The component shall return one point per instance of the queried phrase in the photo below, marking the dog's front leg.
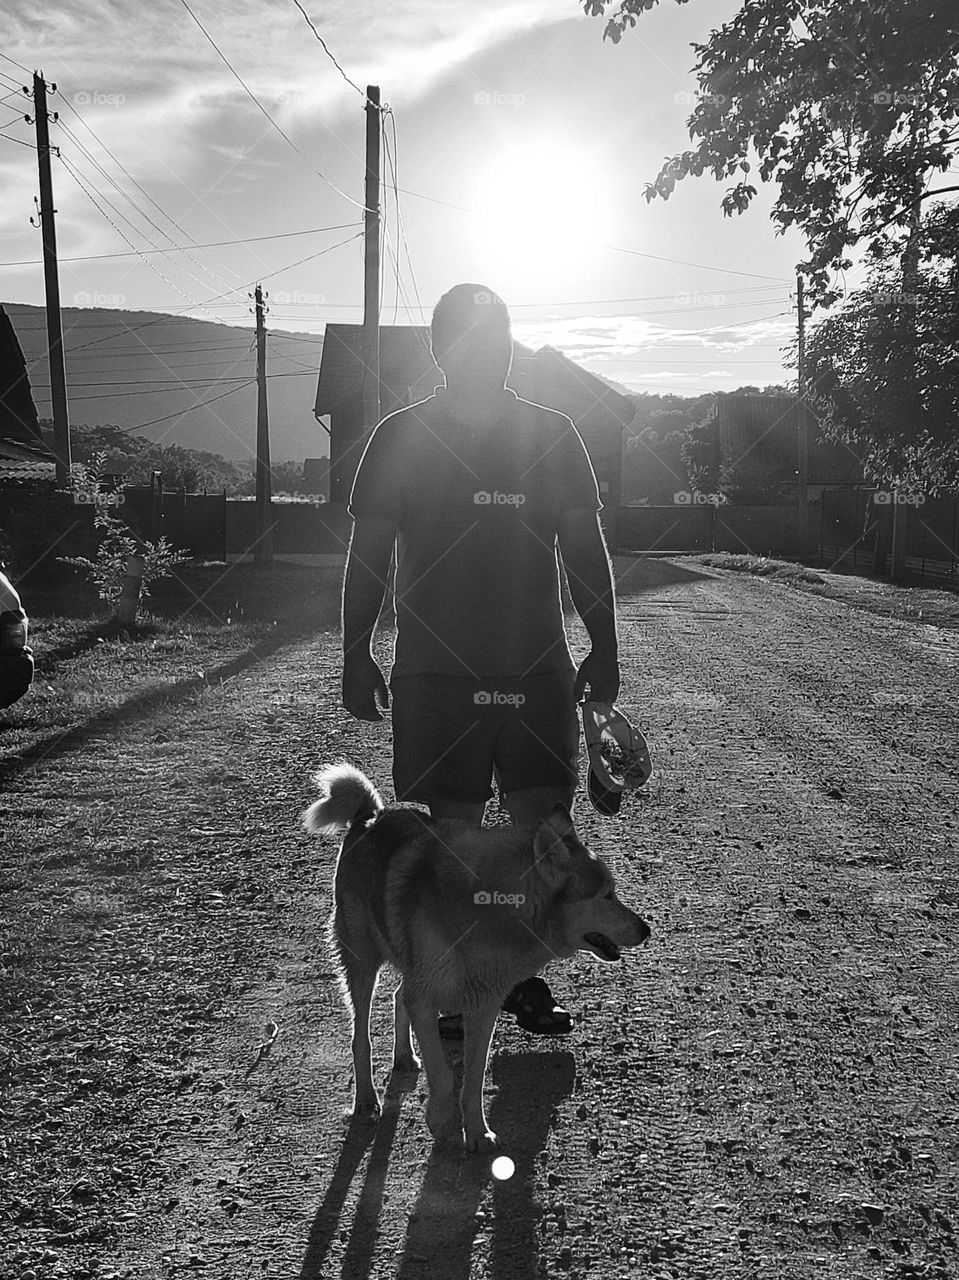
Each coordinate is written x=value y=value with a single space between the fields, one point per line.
x=478 y=1027
x=442 y=1113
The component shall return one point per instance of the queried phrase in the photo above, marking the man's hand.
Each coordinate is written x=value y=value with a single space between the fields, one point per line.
x=364 y=687
x=600 y=674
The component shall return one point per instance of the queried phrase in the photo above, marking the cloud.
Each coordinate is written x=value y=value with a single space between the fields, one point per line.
x=606 y=337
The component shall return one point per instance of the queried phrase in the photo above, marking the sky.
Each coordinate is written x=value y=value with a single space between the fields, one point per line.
x=517 y=149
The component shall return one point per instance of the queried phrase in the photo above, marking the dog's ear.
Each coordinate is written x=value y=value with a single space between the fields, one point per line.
x=561 y=820
x=552 y=855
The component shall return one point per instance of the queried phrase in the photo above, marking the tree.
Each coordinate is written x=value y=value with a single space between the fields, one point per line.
x=849 y=105
x=883 y=371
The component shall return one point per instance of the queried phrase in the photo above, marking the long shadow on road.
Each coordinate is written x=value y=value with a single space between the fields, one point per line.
x=442 y=1228
x=638 y=574
x=55 y=745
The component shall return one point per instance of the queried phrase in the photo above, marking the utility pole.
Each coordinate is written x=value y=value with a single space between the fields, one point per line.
x=263 y=547
x=802 y=421
x=371 y=270
x=58 y=379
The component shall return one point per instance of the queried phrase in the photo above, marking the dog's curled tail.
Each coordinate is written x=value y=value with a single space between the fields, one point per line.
x=346 y=796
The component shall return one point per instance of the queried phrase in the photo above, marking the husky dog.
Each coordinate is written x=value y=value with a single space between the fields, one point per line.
x=463 y=915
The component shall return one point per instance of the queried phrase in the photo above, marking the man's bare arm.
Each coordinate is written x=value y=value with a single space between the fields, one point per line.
x=590 y=579
x=364 y=586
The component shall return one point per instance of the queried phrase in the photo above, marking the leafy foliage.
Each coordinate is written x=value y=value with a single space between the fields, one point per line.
x=191 y=469
x=883 y=371
x=848 y=105
x=117 y=542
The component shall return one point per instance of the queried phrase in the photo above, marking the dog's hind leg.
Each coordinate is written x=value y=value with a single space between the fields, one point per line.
x=404 y=1059
x=442 y=1109
x=360 y=985
x=478 y=1027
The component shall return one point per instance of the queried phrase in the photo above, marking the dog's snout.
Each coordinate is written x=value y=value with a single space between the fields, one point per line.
x=642 y=928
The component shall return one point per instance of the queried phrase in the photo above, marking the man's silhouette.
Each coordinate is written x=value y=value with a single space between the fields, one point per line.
x=476 y=488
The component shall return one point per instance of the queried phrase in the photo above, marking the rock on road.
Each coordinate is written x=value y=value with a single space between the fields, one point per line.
x=769 y=1089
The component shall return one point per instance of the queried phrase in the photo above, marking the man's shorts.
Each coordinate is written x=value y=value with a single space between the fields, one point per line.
x=451 y=733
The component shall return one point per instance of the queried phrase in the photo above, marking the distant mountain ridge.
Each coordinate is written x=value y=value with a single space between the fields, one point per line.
x=118 y=362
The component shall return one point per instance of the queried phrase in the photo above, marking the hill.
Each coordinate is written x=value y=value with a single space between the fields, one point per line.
x=147 y=370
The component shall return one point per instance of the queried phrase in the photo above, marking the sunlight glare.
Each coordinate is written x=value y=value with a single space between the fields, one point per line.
x=541 y=205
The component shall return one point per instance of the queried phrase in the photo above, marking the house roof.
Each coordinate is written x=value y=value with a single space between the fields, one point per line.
x=550 y=378
x=18 y=414
x=766 y=429
x=407 y=370
x=409 y=373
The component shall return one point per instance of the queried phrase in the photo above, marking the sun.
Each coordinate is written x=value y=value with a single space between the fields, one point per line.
x=542 y=205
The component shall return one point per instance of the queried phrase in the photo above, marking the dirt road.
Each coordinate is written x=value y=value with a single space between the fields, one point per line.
x=768 y=1090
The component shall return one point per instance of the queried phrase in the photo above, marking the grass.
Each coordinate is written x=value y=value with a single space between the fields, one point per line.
x=195 y=629
x=762 y=566
x=934 y=606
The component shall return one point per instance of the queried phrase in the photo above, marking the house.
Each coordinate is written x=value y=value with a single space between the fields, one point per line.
x=316 y=478
x=24 y=458
x=758 y=436
x=408 y=373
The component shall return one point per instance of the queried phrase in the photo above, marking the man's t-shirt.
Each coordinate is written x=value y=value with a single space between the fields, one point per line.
x=477 y=581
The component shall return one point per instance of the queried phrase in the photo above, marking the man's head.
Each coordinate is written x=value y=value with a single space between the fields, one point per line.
x=471 y=338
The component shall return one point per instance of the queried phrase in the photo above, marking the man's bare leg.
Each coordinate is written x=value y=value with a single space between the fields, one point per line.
x=533 y=804
x=530 y=807
x=470 y=811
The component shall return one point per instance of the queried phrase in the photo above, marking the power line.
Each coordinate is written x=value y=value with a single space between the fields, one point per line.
x=326 y=50
x=171 y=387
x=96 y=204
x=260 y=107
x=131 y=178
x=182 y=412
x=213 y=244
x=218 y=279
x=15 y=63
x=125 y=331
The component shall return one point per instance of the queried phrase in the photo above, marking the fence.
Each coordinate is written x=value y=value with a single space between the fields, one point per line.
x=849 y=530
x=751 y=530
x=856 y=533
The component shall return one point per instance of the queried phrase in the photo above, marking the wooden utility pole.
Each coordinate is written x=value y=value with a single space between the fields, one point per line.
x=371 y=275
x=802 y=422
x=51 y=279
x=263 y=547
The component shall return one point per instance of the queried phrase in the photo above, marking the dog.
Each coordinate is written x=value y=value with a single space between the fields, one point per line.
x=462 y=914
